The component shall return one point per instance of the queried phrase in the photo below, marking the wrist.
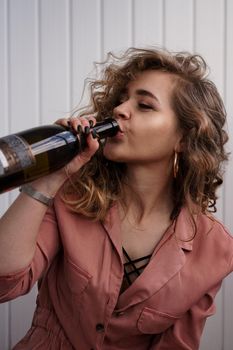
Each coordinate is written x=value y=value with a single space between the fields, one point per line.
x=49 y=184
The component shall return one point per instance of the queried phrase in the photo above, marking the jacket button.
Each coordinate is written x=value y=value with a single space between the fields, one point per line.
x=99 y=327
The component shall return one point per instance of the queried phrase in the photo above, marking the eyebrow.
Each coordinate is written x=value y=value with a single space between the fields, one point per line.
x=142 y=92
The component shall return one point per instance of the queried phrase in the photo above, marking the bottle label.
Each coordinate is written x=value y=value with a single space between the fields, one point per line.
x=15 y=155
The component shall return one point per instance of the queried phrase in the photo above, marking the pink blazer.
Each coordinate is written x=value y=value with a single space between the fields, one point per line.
x=79 y=267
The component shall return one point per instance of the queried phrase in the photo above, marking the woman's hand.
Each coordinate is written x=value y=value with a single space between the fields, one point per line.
x=50 y=184
x=80 y=125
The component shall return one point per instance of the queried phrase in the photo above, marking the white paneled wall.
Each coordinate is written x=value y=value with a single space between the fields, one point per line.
x=47 y=49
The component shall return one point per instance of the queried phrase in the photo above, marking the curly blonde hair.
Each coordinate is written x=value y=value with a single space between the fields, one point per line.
x=201 y=115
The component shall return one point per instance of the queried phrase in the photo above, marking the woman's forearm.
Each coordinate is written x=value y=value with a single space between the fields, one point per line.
x=19 y=226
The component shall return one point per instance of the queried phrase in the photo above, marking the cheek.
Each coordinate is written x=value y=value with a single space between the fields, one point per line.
x=165 y=128
x=160 y=137
x=155 y=132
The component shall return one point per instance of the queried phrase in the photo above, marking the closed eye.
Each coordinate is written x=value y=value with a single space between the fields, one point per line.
x=145 y=106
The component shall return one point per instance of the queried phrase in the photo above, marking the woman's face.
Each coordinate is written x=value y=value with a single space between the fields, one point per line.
x=149 y=126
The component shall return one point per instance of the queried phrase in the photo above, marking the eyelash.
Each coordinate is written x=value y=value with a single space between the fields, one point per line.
x=140 y=105
x=145 y=106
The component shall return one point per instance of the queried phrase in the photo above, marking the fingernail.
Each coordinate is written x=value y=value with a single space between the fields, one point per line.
x=79 y=129
x=94 y=134
x=87 y=130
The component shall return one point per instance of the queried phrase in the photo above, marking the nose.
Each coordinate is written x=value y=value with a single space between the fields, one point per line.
x=122 y=111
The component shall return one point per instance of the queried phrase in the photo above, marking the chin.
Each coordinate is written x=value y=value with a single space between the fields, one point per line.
x=114 y=157
x=118 y=154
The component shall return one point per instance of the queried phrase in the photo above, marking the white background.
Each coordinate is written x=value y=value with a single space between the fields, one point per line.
x=47 y=48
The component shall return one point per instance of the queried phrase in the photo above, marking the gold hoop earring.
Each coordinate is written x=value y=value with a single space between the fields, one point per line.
x=175 y=165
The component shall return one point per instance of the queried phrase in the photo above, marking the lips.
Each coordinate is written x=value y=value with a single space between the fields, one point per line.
x=118 y=136
x=120 y=133
x=120 y=127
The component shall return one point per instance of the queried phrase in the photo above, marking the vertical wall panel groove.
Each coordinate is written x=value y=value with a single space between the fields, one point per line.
x=228 y=283
x=117 y=25
x=194 y=26
x=5 y=127
x=8 y=64
x=148 y=25
x=86 y=44
x=68 y=20
x=38 y=61
x=179 y=25
x=101 y=28
x=132 y=5
x=163 y=23
x=224 y=93
x=102 y=41
x=224 y=286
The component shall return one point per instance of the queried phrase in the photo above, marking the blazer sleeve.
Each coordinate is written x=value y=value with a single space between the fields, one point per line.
x=185 y=334
x=48 y=243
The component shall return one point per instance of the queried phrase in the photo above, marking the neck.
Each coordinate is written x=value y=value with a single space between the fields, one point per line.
x=148 y=190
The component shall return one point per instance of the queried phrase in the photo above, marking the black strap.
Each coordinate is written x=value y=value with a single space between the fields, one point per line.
x=136 y=270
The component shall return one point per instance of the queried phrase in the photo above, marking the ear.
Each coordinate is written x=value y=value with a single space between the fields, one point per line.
x=180 y=145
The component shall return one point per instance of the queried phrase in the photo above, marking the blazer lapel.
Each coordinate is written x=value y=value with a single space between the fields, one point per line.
x=112 y=228
x=168 y=258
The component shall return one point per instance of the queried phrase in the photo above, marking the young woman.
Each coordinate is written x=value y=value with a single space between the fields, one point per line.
x=129 y=255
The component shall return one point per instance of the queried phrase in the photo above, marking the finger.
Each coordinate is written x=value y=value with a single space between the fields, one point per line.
x=84 y=156
x=63 y=122
x=79 y=124
x=92 y=120
x=92 y=147
x=83 y=124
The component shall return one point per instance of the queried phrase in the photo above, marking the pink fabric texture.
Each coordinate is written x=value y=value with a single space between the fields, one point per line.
x=79 y=268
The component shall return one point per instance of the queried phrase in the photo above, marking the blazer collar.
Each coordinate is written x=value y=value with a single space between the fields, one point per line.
x=112 y=227
x=185 y=229
x=168 y=258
